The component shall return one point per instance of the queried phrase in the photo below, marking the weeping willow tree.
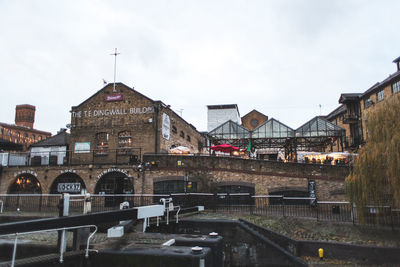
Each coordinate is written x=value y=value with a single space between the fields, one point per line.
x=375 y=178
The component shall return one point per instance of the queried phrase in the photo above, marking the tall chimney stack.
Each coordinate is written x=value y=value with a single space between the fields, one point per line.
x=25 y=115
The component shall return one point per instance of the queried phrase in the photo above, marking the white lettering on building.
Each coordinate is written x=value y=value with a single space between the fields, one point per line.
x=112 y=112
x=113 y=170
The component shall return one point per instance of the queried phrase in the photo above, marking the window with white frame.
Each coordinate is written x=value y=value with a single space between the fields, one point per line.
x=380 y=95
x=396 y=87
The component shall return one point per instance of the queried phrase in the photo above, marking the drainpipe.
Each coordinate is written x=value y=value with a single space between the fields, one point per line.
x=156 y=130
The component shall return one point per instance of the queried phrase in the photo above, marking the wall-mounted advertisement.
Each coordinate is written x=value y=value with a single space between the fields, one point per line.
x=166 y=125
x=82 y=147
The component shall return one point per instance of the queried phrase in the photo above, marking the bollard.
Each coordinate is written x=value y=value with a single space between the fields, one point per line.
x=321 y=253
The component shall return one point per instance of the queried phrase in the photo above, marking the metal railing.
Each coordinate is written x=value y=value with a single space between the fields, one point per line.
x=232 y=203
x=69 y=157
x=62 y=249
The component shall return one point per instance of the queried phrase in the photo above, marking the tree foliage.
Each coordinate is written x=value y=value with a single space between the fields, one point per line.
x=375 y=178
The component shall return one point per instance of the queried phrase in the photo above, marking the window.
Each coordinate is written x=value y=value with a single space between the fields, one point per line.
x=124 y=142
x=367 y=103
x=1 y=130
x=174 y=130
x=254 y=122
x=396 y=87
x=182 y=134
x=188 y=138
x=102 y=143
x=380 y=95
x=33 y=138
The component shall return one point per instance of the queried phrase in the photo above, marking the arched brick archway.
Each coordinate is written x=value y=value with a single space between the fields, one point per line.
x=68 y=182
x=25 y=183
x=292 y=192
x=114 y=183
x=174 y=184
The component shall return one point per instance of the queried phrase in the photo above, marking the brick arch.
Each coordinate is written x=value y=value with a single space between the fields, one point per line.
x=238 y=183
x=172 y=178
x=24 y=183
x=74 y=177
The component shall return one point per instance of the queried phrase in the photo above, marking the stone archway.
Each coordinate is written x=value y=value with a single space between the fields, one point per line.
x=114 y=183
x=25 y=183
x=240 y=193
x=174 y=184
x=292 y=192
x=68 y=182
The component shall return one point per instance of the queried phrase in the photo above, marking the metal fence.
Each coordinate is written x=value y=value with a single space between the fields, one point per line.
x=231 y=203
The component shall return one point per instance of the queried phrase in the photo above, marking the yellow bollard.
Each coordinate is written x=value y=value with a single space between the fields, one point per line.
x=321 y=253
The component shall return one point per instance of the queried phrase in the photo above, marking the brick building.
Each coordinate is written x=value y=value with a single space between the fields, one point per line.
x=121 y=124
x=355 y=108
x=22 y=132
x=253 y=119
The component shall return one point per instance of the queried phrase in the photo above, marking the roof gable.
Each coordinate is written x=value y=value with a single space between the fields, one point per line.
x=109 y=87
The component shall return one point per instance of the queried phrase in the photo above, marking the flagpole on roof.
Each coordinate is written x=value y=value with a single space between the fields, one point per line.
x=115 y=54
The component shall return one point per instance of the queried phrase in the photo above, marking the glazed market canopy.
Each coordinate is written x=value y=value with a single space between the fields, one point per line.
x=273 y=133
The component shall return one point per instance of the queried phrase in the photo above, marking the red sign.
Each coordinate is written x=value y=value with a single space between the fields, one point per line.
x=114 y=98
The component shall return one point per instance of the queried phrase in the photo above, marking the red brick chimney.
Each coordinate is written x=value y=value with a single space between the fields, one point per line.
x=25 y=115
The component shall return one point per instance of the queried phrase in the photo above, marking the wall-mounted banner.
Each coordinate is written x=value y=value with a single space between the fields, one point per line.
x=166 y=125
x=110 y=98
x=82 y=147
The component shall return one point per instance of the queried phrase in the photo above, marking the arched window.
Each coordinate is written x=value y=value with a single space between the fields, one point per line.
x=124 y=142
x=182 y=134
x=188 y=138
x=33 y=138
x=102 y=143
x=174 y=130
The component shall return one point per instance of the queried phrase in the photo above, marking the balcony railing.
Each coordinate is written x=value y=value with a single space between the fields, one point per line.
x=58 y=158
x=350 y=118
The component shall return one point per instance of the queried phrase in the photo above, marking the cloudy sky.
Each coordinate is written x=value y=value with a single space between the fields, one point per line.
x=283 y=58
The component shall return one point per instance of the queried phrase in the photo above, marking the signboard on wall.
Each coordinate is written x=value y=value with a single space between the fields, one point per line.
x=82 y=147
x=110 y=98
x=69 y=187
x=166 y=125
x=311 y=192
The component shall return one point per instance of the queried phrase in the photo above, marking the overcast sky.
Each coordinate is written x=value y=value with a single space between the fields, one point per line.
x=283 y=58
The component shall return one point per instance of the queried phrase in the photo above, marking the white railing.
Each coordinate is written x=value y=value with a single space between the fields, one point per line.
x=62 y=248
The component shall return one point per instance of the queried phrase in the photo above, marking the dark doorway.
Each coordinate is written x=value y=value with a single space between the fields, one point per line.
x=116 y=184
x=68 y=183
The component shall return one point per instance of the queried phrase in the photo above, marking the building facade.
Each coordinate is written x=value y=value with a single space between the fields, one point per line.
x=121 y=124
x=219 y=114
x=355 y=108
x=22 y=132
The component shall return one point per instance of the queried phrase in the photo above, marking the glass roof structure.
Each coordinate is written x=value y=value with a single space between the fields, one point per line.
x=316 y=133
x=319 y=127
x=272 y=129
x=229 y=132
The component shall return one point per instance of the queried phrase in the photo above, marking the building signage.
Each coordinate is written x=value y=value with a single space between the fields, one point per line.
x=82 y=147
x=311 y=192
x=110 y=98
x=69 y=187
x=113 y=170
x=25 y=172
x=112 y=112
x=166 y=124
